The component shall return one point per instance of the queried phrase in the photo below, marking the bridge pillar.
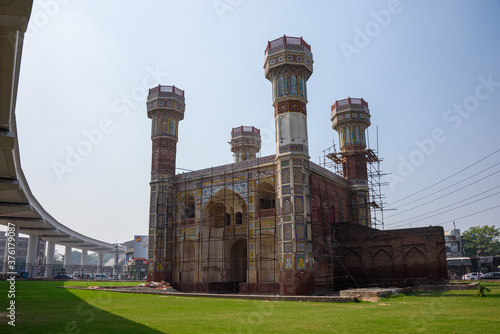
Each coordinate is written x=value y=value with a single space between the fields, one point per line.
x=49 y=260
x=67 y=259
x=31 y=254
x=14 y=233
x=99 y=262
x=84 y=261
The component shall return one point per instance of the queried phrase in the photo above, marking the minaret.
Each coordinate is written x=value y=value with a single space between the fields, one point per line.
x=288 y=65
x=350 y=118
x=245 y=142
x=166 y=109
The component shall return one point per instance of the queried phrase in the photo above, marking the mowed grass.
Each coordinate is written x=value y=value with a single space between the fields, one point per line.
x=41 y=307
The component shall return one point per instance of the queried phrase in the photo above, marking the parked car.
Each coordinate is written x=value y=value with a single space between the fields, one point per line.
x=492 y=275
x=63 y=276
x=101 y=277
x=471 y=276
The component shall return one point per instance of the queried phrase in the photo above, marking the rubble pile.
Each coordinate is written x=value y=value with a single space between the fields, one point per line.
x=162 y=285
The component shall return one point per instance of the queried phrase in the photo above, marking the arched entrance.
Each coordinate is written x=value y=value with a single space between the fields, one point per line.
x=238 y=260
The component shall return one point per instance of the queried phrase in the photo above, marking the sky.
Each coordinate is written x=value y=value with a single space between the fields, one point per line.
x=429 y=71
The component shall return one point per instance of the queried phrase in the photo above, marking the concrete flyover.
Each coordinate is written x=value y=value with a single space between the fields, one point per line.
x=19 y=209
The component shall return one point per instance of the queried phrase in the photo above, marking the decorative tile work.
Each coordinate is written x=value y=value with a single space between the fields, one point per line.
x=288 y=247
x=298 y=189
x=300 y=229
x=285 y=163
x=293 y=148
x=299 y=219
x=299 y=204
x=161 y=221
x=287 y=232
x=285 y=106
x=288 y=262
x=287 y=205
x=285 y=175
x=309 y=247
x=287 y=218
x=280 y=229
x=160 y=267
x=266 y=224
x=301 y=247
x=301 y=262
x=285 y=190
x=298 y=176
x=309 y=232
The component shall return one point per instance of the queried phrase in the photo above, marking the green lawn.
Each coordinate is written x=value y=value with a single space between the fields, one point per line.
x=43 y=308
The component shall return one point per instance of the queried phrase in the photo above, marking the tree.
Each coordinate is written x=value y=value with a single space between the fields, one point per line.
x=481 y=241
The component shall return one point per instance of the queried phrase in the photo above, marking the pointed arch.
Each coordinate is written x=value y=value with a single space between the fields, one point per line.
x=415 y=263
x=384 y=266
x=221 y=207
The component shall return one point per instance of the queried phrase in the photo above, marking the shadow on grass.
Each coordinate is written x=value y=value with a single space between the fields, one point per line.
x=41 y=307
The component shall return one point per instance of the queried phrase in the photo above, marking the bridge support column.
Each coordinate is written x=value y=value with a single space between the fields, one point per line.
x=84 y=261
x=49 y=260
x=99 y=262
x=31 y=254
x=67 y=259
x=14 y=233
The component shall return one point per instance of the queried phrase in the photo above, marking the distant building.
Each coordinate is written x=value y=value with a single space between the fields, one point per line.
x=136 y=257
x=453 y=242
x=22 y=250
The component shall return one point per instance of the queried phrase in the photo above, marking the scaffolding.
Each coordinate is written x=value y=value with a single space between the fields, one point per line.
x=333 y=160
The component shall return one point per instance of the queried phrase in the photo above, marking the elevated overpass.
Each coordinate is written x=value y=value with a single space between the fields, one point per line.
x=19 y=209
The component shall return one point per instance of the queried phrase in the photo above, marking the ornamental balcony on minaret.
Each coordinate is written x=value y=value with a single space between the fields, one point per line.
x=245 y=143
x=350 y=118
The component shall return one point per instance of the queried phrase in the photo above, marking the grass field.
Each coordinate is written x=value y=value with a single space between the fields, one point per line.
x=43 y=308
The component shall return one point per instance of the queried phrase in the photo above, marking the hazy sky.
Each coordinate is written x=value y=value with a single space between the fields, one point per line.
x=428 y=69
